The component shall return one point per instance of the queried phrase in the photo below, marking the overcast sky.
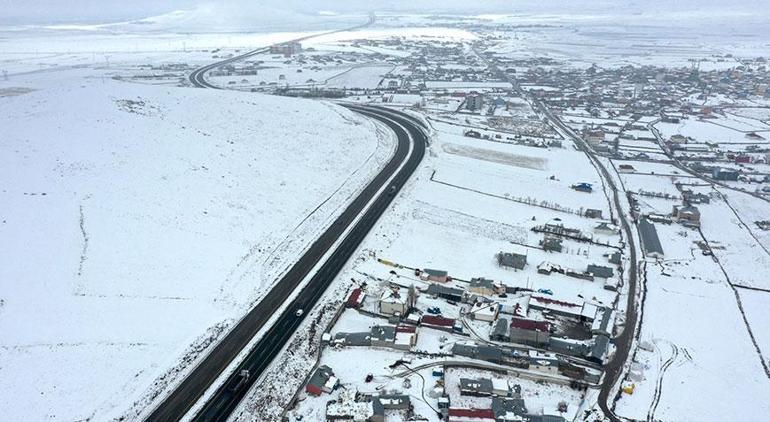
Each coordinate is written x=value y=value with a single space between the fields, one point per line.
x=90 y=11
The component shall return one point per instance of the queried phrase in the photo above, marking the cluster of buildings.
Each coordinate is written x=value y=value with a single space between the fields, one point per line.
x=504 y=398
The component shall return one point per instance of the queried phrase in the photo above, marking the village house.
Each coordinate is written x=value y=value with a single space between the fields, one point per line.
x=501 y=330
x=402 y=337
x=603 y=323
x=395 y=301
x=687 y=215
x=724 y=174
x=438 y=276
x=546 y=268
x=440 y=323
x=592 y=213
x=390 y=402
x=484 y=311
x=510 y=409
x=529 y=332
x=551 y=244
x=585 y=311
x=458 y=414
x=599 y=349
x=322 y=381
x=383 y=335
x=599 y=271
x=485 y=287
x=512 y=260
x=481 y=387
x=594 y=136
x=444 y=292
x=406 y=337
x=347 y=408
x=502 y=388
x=356 y=299
x=689 y=197
x=353 y=406
x=481 y=352
x=543 y=361
x=605 y=229
x=568 y=346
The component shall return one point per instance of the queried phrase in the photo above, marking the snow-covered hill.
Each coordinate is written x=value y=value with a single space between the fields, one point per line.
x=138 y=221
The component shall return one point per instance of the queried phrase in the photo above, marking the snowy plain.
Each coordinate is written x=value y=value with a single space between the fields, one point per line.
x=142 y=221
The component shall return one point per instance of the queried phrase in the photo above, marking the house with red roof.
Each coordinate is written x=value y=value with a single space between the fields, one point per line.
x=530 y=332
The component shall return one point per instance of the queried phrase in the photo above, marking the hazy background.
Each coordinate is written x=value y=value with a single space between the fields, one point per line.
x=98 y=11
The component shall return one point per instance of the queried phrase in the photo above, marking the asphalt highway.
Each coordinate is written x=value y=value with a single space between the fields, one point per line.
x=379 y=192
x=198 y=76
x=259 y=358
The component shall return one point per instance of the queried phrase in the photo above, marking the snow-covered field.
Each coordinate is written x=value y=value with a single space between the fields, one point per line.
x=694 y=361
x=714 y=370
x=140 y=221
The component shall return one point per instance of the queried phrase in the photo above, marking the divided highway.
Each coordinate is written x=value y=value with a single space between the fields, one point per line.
x=198 y=76
x=340 y=240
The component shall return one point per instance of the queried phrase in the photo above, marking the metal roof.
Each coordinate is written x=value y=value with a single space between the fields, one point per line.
x=650 y=239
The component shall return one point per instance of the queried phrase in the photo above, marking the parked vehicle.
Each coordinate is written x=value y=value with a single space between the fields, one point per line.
x=545 y=291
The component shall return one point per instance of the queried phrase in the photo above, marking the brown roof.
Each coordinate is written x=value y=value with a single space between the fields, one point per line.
x=530 y=324
x=437 y=321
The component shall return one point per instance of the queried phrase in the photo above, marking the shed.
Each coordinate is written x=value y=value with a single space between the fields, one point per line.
x=355 y=299
x=438 y=322
x=439 y=276
x=592 y=213
x=600 y=271
x=650 y=240
x=444 y=292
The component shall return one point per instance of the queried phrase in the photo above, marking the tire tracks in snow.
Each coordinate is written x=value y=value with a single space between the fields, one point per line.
x=659 y=384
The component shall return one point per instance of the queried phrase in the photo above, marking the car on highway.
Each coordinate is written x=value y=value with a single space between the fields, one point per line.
x=243 y=376
x=299 y=312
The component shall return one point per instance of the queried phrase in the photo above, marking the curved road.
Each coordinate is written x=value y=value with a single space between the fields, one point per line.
x=371 y=203
x=198 y=76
